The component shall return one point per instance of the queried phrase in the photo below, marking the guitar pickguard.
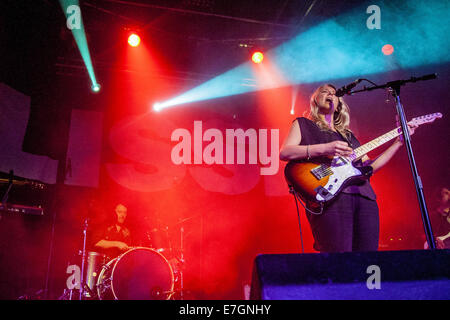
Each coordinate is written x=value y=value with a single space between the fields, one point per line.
x=341 y=170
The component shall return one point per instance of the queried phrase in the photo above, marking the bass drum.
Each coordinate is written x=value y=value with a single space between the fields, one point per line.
x=138 y=274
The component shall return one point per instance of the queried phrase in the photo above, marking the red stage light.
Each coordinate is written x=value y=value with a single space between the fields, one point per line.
x=387 y=49
x=134 y=40
x=257 y=57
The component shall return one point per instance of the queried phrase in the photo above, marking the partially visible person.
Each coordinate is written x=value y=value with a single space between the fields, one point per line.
x=440 y=220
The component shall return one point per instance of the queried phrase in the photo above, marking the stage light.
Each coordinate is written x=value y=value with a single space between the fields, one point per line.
x=387 y=49
x=257 y=57
x=157 y=106
x=352 y=51
x=79 y=35
x=134 y=40
x=95 y=87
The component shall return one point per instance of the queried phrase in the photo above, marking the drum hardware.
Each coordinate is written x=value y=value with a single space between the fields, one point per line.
x=87 y=292
x=95 y=261
x=83 y=260
x=179 y=273
x=103 y=286
x=159 y=239
x=107 y=266
x=181 y=263
x=67 y=294
x=87 y=276
x=157 y=293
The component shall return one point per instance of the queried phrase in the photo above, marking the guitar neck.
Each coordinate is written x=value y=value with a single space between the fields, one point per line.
x=375 y=143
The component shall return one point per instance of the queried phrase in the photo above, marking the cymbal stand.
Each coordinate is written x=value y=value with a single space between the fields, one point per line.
x=181 y=262
x=83 y=259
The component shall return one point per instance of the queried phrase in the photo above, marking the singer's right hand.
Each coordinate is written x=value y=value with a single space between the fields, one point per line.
x=439 y=244
x=336 y=148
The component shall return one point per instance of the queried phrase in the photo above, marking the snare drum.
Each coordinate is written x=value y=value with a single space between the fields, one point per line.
x=138 y=274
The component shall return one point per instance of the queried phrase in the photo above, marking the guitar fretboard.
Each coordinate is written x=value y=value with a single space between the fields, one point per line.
x=375 y=143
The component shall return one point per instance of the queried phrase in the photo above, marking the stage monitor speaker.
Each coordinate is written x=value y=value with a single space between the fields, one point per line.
x=380 y=275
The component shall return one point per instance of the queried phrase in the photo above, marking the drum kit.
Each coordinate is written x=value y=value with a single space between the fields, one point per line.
x=141 y=273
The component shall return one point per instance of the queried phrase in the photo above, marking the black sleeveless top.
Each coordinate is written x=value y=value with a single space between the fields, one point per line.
x=312 y=134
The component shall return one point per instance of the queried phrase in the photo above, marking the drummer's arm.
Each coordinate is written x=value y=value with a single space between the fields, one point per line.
x=107 y=244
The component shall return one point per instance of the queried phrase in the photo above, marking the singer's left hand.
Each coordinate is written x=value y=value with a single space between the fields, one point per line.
x=411 y=129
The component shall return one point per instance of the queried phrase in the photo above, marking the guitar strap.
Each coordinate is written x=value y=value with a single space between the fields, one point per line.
x=368 y=173
x=346 y=139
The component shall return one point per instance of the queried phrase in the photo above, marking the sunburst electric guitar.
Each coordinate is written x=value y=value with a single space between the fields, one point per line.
x=320 y=180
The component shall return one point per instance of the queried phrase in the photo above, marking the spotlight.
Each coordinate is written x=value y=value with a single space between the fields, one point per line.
x=387 y=49
x=134 y=40
x=257 y=57
x=157 y=106
x=95 y=87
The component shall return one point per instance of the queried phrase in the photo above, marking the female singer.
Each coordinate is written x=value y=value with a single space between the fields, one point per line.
x=350 y=222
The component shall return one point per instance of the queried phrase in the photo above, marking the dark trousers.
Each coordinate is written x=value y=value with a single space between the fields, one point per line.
x=349 y=223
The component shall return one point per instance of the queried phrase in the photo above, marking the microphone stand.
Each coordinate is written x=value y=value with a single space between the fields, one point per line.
x=394 y=86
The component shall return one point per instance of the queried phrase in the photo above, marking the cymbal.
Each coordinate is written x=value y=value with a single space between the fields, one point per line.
x=183 y=220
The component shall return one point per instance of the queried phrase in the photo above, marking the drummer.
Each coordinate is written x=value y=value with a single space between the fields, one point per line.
x=114 y=239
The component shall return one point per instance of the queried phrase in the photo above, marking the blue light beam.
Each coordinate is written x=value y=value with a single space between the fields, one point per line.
x=79 y=35
x=343 y=47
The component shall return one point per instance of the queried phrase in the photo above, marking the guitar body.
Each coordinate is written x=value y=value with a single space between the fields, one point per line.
x=320 y=181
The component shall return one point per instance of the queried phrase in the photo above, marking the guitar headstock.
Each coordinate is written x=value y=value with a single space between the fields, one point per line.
x=426 y=118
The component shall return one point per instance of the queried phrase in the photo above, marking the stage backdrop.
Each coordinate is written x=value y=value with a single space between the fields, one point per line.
x=206 y=174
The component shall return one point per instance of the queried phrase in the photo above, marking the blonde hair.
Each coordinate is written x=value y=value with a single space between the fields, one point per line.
x=341 y=114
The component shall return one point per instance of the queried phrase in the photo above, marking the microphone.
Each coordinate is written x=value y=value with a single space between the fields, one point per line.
x=346 y=89
x=426 y=77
